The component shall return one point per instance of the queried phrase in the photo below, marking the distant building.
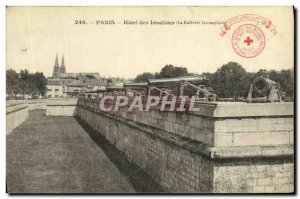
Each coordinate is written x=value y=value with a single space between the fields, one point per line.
x=56 y=91
x=63 y=84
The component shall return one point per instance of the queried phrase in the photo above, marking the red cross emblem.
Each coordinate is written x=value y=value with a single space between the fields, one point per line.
x=248 y=41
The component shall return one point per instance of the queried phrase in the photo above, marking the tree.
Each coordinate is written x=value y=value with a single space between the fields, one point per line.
x=231 y=77
x=274 y=75
x=167 y=71
x=39 y=82
x=25 y=82
x=286 y=80
x=172 y=71
x=261 y=73
x=144 y=77
x=12 y=79
x=24 y=74
x=211 y=78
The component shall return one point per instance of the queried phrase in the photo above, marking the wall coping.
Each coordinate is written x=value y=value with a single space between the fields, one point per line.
x=243 y=109
x=68 y=102
x=15 y=108
x=237 y=152
x=237 y=109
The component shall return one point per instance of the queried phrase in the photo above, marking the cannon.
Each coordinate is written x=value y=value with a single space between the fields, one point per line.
x=134 y=85
x=166 y=82
x=200 y=90
x=176 y=86
x=162 y=91
x=265 y=90
x=136 y=88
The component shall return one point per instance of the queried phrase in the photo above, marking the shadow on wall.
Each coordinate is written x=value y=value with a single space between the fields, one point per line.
x=36 y=114
x=75 y=113
x=141 y=181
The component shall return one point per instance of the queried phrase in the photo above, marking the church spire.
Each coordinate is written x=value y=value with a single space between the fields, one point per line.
x=56 y=62
x=62 y=67
x=56 y=70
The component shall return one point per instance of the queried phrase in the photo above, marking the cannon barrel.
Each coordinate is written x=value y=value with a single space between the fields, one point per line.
x=262 y=86
x=99 y=90
x=133 y=85
x=115 y=88
x=168 y=81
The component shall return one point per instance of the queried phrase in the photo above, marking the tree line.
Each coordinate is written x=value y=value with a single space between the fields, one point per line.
x=229 y=78
x=25 y=82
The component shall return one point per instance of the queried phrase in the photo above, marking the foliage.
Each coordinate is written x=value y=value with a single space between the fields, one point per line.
x=144 y=77
x=25 y=82
x=286 y=80
x=170 y=71
x=233 y=78
x=229 y=78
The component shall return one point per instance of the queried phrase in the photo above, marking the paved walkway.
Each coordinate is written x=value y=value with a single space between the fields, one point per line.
x=48 y=154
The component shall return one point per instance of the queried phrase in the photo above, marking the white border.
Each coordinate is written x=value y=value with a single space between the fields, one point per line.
x=5 y=3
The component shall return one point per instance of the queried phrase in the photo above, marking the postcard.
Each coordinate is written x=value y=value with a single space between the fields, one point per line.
x=150 y=100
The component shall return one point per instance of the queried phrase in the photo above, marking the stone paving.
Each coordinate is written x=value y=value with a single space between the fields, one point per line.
x=59 y=154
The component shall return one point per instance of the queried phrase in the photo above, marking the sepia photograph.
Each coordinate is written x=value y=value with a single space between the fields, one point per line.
x=150 y=100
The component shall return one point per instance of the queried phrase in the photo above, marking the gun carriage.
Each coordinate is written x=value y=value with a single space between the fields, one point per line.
x=183 y=86
x=265 y=90
x=136 y=89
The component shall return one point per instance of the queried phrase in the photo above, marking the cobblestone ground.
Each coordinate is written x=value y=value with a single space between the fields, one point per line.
x=57 y=154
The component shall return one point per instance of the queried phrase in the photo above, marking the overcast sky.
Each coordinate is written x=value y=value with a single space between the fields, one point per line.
x=36 y=34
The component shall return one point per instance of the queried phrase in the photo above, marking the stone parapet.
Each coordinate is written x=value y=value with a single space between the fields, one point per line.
x=62 y=107
x=188 y=152
x=15 y=115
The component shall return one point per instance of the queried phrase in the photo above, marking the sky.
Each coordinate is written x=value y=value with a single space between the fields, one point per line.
x=34 y=35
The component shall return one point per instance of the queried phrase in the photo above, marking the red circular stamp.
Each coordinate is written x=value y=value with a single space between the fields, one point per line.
x=248 y=40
